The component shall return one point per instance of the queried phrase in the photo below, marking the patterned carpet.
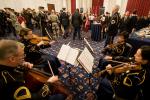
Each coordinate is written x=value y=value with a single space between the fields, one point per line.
x=79 y=82
x=97 y=46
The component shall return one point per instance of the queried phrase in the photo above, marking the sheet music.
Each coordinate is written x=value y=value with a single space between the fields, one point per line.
x=86 y=60
x=72 y=56
x=68 y=54
x=62 y=55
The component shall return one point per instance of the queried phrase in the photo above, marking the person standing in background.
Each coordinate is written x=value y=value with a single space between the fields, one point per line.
x=113 y=25
x=64 y=20
x=76 y=22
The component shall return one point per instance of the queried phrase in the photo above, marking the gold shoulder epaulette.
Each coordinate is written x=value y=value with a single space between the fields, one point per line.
x=22 y=93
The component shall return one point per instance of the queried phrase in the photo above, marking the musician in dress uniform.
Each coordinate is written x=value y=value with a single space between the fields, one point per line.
x=112 y=29
x=33 y=53
x=119 y=52
x=12 y=83
x=145 y=51
x=127 y=80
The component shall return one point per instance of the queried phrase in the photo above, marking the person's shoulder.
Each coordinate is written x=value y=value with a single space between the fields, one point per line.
x=12 y=87
x=22 y=92
x=18 y=91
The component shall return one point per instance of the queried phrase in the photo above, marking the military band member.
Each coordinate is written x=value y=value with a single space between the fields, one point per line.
x=128 y=79
x=31 y=48
x=12 y=83
x=145 y=52
x=33 y=53
x=118 y=51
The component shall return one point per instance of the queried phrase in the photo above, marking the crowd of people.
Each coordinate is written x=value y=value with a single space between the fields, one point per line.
x=20 y=57
x=63 y=22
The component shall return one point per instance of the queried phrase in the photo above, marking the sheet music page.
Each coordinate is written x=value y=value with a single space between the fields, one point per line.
x=72 y=56
x=89 y=55
x=86 y=60
x=64 y=50
x=76 y=63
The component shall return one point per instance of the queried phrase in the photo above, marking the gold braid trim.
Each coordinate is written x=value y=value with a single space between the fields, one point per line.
x=143 y=78
x=140 y=79
x=125 y=81
x=45 y=91
x=24 y=96
x=4 y=73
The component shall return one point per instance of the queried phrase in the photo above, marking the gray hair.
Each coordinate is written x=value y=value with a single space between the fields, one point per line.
x=8 y=47
x=117 y=7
